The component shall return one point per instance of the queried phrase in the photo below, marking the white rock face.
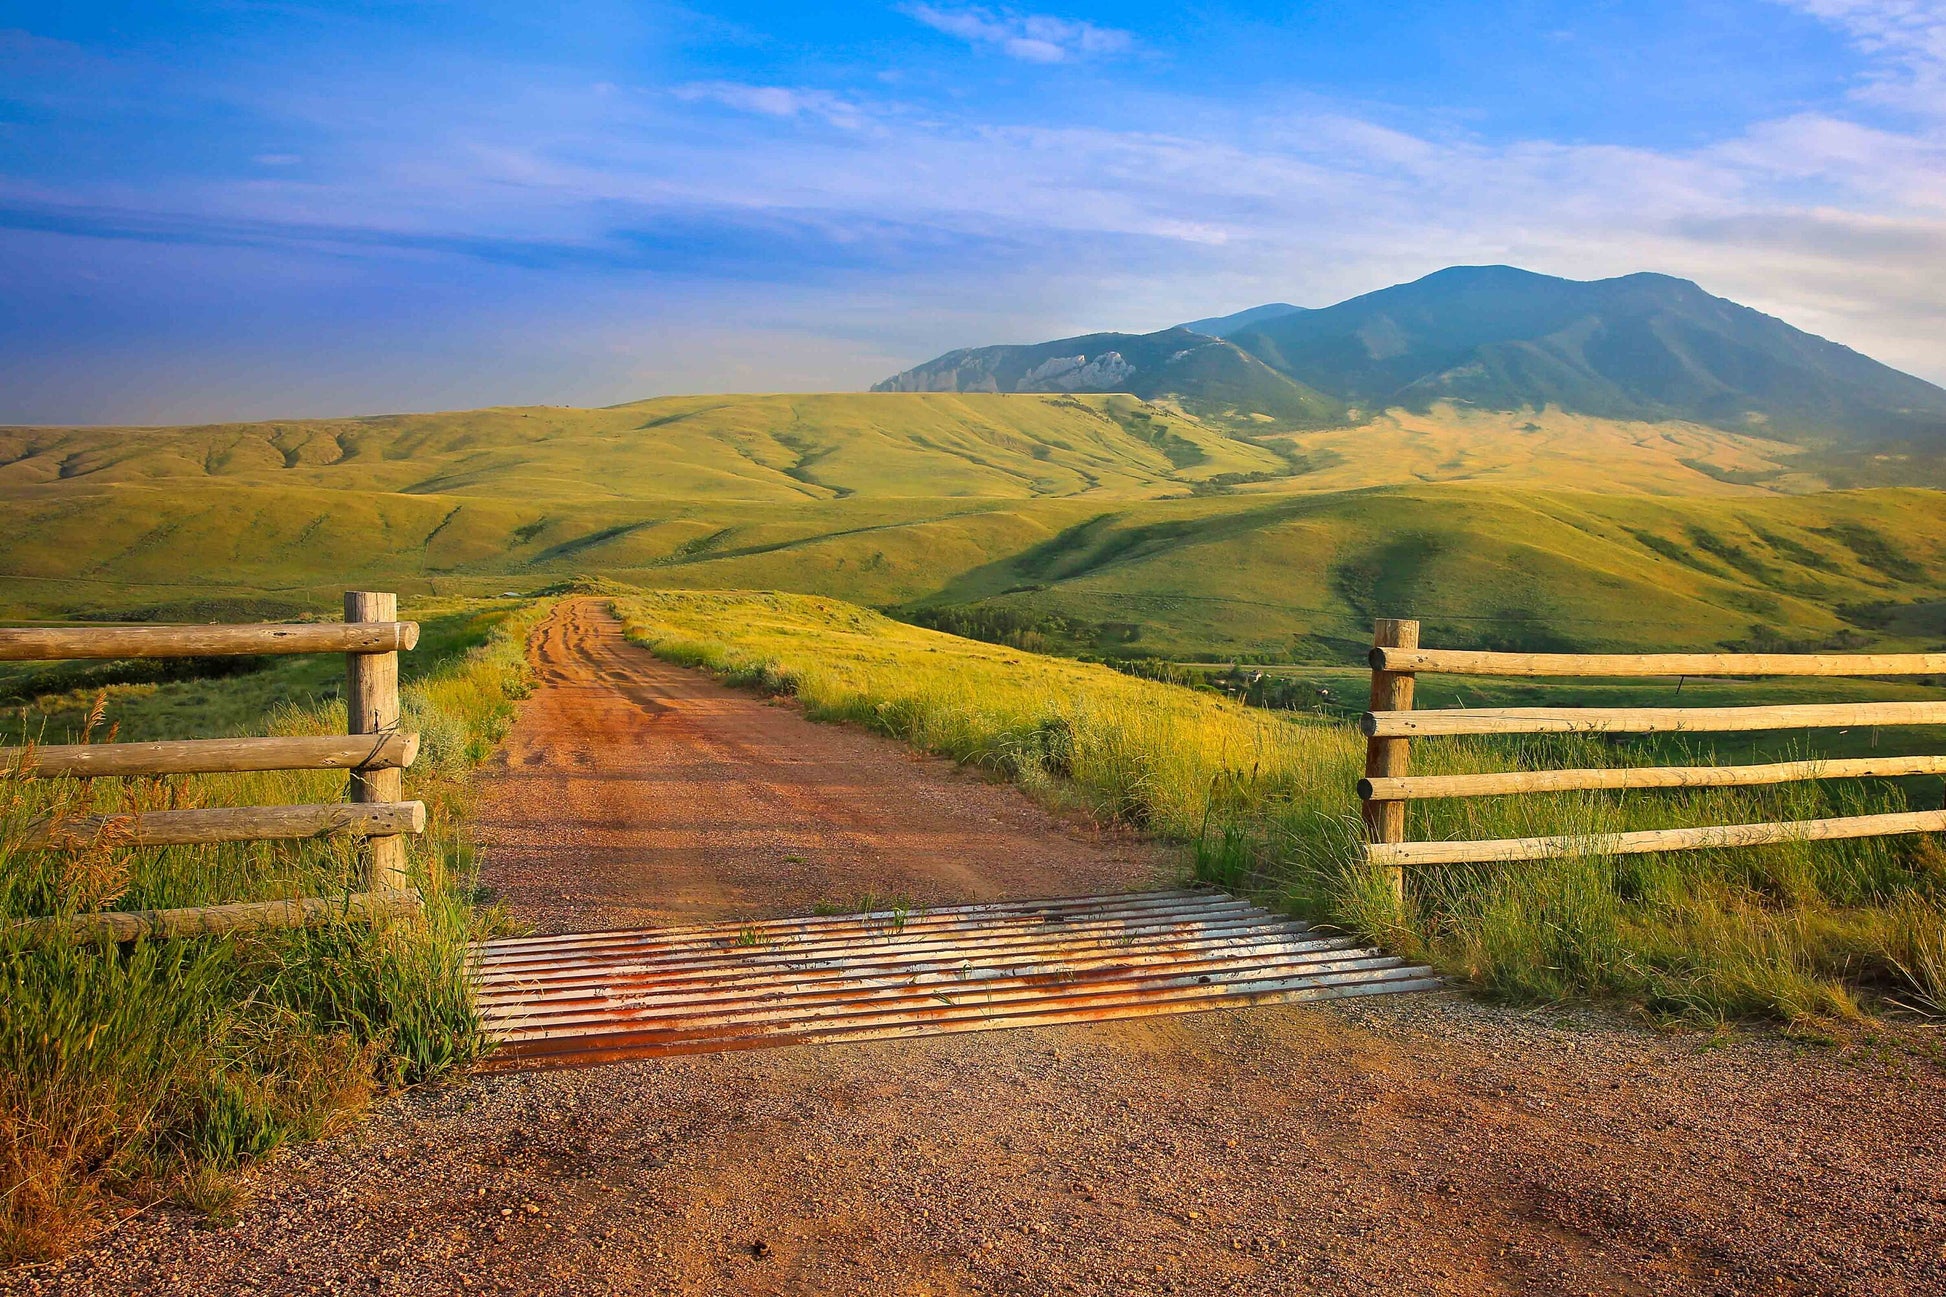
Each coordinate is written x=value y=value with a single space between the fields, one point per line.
x=1051 y=372
x=1077 y=373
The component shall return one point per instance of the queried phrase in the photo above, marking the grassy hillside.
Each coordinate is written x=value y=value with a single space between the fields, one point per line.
x=1484 y=568
x=1126 y=526
x=783 y=449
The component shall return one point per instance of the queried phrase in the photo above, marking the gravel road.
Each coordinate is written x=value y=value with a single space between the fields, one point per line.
x=1419 y=1144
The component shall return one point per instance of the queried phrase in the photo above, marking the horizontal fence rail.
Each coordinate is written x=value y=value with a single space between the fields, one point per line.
x=213 y=756
x=374 y=754
x=1642 y=841
x=1647 y=720
x=235 y=824
x=73 y=643
x=1465 y=662
x=1391 y=724
x=112 y=926
x=1635 y=778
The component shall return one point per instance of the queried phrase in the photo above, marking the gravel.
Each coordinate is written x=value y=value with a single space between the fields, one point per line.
x=1423 y=1144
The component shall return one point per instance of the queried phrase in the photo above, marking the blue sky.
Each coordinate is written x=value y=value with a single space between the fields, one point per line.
x=242 y=210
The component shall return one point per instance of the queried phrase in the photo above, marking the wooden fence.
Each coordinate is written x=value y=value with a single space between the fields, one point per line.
x=1392 y=724
x=374 y=752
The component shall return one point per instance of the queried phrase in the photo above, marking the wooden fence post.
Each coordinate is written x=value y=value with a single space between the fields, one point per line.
x=1386 y=758
x=372 y=706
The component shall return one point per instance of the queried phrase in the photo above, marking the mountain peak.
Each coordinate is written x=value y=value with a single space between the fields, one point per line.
x=1644 y=346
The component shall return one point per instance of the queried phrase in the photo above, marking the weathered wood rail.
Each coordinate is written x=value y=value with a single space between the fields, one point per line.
x=1391 y=725
x=374 y=753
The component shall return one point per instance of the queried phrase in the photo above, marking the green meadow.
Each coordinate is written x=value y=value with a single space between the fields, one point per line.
x=1139 y=528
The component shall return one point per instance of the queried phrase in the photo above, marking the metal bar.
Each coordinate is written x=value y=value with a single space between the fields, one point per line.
x=721 y=985
x=702 y=1011
x=727 y=972
x=1111 y=930
x=913 y=1009
x=841 y=963
x=797 y=1015
x=590 y=1057
x=575 y=1000
x=913 y=918
x=585 y=1052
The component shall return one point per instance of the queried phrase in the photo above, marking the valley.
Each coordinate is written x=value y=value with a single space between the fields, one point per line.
x=1125 y=526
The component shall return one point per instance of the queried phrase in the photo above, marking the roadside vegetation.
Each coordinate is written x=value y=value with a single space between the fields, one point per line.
x=150 y=1072
x=1263 y=801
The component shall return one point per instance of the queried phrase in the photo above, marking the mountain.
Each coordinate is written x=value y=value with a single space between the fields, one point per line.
x=1642 y=347
x=1224 y=326
x=1206 y=373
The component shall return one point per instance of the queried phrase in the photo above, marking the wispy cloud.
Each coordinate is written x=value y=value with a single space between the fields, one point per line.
x=1908 y=40
x=1033 y=38
x=775 y=101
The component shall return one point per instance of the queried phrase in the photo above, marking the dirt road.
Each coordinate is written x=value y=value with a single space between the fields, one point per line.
x=1412 y=1144
x=634 y=792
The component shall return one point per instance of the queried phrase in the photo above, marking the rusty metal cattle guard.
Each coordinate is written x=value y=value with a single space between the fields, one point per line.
x=595 y=997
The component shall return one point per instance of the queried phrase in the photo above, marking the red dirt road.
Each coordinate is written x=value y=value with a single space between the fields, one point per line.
x=1410 y=1144
x=634 y=792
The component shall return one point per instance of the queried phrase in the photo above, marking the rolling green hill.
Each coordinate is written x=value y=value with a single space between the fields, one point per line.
x=1114 y=524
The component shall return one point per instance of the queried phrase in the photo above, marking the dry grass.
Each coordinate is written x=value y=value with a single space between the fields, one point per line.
x=1264 y=802
x=149 y=1072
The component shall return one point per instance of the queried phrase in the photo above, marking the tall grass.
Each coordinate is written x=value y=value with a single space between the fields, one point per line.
x=1264 y=802
x=147 y=1072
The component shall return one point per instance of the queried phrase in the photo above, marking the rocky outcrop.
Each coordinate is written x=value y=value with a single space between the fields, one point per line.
x=1174 y=362
x=1108 y=372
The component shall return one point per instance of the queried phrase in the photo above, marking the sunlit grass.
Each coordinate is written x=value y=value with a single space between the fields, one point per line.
x=1264 y=802
x=148 y=1071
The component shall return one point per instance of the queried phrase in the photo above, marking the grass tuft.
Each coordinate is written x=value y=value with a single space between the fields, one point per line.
x=150 y=1072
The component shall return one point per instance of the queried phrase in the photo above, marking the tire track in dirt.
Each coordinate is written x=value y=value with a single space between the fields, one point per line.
x=633 y=792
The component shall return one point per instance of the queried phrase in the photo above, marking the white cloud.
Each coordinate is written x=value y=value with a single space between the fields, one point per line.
x=1906 y=37
x=775 y=101
x=1032 y=38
